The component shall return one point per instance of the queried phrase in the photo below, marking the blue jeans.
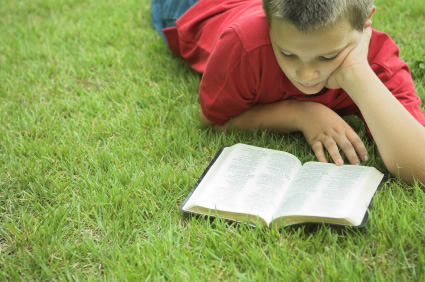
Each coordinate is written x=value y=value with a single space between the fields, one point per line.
x=166 y=12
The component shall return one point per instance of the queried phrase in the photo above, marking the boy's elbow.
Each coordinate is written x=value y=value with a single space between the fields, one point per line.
x=418 y=163
x=419 y=174
x=205 y=121
x=411 y=172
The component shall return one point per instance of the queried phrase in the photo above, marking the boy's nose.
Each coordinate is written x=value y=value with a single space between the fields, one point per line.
x=307 y=74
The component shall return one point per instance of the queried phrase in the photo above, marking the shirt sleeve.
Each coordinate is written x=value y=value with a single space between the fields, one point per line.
x=395 y=75
x=399 y=81
x=227 y=87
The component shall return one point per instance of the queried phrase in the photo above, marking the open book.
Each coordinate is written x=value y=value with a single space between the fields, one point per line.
x=270 y=187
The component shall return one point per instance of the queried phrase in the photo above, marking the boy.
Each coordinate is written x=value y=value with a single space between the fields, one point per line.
x=297 y=66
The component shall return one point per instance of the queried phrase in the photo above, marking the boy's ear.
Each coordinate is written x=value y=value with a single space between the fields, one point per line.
x=368 y=22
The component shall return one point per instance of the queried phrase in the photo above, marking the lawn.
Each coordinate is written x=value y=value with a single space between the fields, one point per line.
x=100 y=142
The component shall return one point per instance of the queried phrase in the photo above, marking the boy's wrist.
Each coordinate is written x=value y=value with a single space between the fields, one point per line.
x=305 y=113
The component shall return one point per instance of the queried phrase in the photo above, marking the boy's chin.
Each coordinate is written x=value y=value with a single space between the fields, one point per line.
x=311 y=91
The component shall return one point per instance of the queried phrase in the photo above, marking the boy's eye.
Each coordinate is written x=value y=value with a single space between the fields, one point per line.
x=328 y=59
x=287 y=55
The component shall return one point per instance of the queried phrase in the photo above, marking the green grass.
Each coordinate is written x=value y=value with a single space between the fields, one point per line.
x=100 y=142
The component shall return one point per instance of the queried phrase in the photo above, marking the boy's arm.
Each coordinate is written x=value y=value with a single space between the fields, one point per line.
x=399 y=138
x=321 y=127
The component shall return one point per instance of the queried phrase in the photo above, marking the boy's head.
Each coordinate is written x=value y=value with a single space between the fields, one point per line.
x=311 y=38
x=309 y=15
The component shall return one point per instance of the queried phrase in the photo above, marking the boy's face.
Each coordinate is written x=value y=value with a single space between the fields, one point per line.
x=309 y=58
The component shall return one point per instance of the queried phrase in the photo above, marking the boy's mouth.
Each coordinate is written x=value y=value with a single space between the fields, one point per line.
x=310 y=86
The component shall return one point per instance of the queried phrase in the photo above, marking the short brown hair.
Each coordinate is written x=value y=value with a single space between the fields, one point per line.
x=309 y=15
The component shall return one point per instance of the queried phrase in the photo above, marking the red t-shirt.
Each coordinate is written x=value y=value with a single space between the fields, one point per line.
x=229 y=42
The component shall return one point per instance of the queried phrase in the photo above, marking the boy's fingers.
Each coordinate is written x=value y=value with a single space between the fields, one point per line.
x=333 y=150
x=318 y=151
x=368 y=23
x=365 y=40
x=368 y=31
x=349 y=151
x=352 y=148
x=358 y=146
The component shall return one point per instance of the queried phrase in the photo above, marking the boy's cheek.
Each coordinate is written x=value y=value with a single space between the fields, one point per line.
x=338 y=62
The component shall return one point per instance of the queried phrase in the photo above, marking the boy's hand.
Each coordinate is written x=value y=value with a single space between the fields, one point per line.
x=356 y=58
x=322 y=127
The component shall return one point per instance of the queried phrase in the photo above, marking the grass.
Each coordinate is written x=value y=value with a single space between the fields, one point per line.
x=100 y=143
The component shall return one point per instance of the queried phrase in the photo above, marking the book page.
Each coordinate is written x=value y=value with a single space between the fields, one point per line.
x=327 y=190
x=247 y=180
